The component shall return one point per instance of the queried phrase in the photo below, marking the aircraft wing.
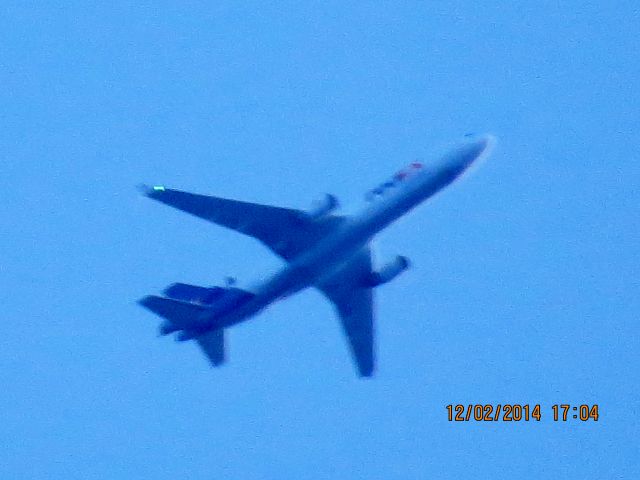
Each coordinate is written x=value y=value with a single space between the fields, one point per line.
x=286 y=231
x=354 y=304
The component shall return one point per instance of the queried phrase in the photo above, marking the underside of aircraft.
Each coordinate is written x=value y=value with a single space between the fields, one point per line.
x=288 y=233
x=321 y=249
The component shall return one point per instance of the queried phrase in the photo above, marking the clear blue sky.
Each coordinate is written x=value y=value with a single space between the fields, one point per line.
x=524 y=286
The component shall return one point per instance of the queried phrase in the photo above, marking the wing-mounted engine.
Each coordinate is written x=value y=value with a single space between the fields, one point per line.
x=323 y=207
x=388 y=272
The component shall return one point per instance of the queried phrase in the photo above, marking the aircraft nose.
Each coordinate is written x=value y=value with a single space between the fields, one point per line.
x=462 y=157
x=471 y=151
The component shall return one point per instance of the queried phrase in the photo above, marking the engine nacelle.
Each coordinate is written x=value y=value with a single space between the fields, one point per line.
x=185 y=336
x=387 y=273
x=167 y=327
x=323 y=207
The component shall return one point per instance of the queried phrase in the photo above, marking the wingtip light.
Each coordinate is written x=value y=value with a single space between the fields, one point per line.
x=149 y=191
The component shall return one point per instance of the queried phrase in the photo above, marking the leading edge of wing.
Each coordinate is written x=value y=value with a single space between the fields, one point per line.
x=285 y=231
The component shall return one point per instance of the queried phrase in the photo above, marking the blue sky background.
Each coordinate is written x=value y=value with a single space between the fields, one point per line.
x=524 y=286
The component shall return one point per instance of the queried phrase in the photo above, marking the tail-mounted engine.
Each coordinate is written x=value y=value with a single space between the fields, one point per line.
x=388 y=272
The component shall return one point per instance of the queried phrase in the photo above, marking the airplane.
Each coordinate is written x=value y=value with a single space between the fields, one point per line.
x=321 y=249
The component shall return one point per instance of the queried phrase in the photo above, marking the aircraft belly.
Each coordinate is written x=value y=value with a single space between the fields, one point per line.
x=320 y=263
x=326 y=251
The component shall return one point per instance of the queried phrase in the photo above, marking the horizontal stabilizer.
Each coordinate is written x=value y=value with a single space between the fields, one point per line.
x=193 y=293
x=185 y=317
x=182 y=314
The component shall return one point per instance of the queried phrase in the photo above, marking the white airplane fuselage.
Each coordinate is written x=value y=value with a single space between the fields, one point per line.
x=331 y=253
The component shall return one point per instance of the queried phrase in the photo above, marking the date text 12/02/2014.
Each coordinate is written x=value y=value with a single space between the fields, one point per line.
x=520 y=412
